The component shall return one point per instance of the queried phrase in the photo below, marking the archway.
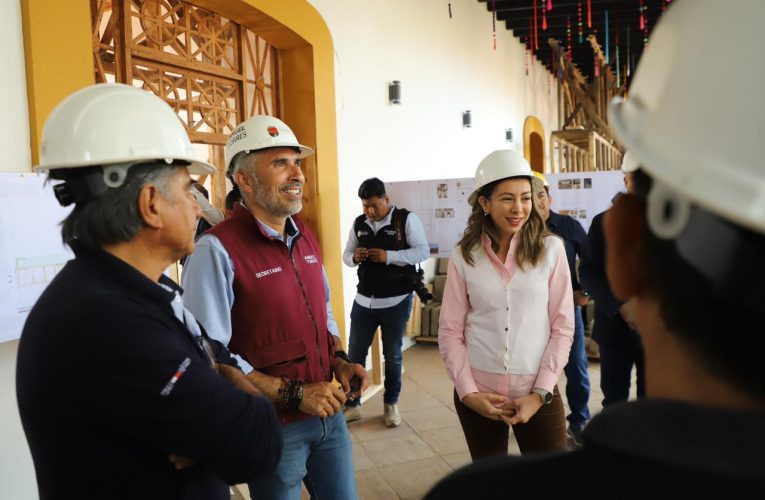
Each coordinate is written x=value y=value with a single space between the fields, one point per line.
x=534 y=143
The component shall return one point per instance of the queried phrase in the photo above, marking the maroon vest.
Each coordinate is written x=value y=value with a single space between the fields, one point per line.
x=279 y=316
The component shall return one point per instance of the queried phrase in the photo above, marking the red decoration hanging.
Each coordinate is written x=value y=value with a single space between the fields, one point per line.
x=544 y=19
x=568 y=36
x=589 y=13
x=536 y=26
x=642 y=21
x=494 y=24
x=549 y=4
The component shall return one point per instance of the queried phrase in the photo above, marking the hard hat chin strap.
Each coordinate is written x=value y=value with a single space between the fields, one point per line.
x=81 y=188
x=722 y=252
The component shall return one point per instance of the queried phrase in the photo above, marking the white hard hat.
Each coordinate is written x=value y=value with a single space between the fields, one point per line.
x=695 y=117
x=262 y=132
x=503 y=164
x=114 y=124
x=630 y=163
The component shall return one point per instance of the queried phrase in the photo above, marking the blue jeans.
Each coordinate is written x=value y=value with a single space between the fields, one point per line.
x=577 y=379
x=317 y=451
x=392 y=323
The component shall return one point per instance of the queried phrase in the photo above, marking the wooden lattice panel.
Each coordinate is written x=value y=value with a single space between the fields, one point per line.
x=212 y=71
x=168 y=30
x=260 y=75
x=105 y=51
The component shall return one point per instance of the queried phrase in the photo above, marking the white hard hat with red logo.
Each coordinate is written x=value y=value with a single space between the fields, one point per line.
x=262 y=132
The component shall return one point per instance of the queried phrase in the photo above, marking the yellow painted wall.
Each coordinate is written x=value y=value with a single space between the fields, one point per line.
x=59 y=57
x=59 y=60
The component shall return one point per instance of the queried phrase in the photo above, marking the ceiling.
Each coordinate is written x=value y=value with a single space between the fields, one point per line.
x=623 y=21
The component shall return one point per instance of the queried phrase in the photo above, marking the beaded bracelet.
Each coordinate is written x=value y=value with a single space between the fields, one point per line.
x=296 y=394
x=283 y=394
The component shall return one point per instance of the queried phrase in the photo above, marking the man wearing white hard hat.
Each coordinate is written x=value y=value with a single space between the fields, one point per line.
x=116 y=381
x=686 y=246
x=577 y=378
x=619 y=343
x=257 y=283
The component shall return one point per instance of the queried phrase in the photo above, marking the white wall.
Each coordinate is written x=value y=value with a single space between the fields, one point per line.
x=445 y=67
x=17 y=475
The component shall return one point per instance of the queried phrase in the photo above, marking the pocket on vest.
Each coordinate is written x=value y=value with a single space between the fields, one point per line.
x=283 y=359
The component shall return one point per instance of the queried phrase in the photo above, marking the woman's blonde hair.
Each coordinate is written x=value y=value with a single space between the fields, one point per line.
x=531 y=236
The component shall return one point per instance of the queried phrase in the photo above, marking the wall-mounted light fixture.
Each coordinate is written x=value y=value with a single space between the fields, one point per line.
x=509 y=135
x=394 y=92
x=467 y=119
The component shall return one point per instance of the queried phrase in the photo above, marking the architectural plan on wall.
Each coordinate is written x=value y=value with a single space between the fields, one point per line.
x=31 y=251
x=442 y=204
x=583 y=195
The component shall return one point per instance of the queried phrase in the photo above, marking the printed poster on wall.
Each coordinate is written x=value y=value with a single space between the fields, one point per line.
x=583 y=195
x=441 y=204
x=31 y=250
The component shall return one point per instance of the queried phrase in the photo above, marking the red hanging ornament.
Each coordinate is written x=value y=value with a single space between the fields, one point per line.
x=544 y=20
x=589 y=13
x=549 y=4
x=568 y=36
x=644 y=18
x=642 y=21
x=494 y=24
x=536 y=26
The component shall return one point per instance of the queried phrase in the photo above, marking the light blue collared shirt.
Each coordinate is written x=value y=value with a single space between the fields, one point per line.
x=418 y=251
x=208 y=283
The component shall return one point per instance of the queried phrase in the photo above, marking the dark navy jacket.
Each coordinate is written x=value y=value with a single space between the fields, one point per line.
x=642 y=449
x=609 y=326
x=109 y=383
x=574 y=239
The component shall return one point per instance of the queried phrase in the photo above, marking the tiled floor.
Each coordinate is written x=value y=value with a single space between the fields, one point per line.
x=404 y=462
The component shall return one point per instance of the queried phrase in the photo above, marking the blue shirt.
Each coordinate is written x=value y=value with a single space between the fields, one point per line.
x=574 y=239
x=208 y=283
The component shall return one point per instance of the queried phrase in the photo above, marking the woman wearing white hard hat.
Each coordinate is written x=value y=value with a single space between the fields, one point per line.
x=506 y=323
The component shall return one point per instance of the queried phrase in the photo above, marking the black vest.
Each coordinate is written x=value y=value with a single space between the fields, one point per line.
x=377 y=279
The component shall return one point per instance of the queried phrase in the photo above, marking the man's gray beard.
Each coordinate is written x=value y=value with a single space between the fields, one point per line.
x=271 y=202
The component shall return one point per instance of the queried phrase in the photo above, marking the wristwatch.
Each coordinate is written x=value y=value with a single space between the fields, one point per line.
x=344 y=356
x=546 y=395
